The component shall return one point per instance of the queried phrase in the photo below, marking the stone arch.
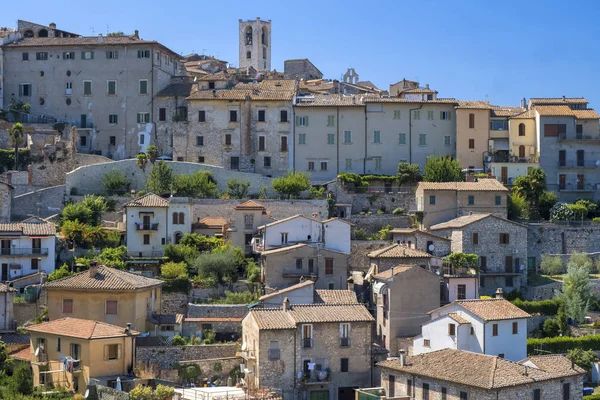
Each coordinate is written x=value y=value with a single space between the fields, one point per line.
x=248 y=35
x=28 y=33
x=264 y=36
x=43 y=33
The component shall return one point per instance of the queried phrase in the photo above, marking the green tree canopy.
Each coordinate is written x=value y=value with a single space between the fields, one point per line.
x=517 y=207
x=172 y=270
x=576 y=291
x=222 y=264
x=115 y=182
x=199 y=184
x=443 y=169
x=160 y=179
x=531 y=187
x=551 y=265
x=408 y=173
x=583 y=358
x=16 y=133
x=292 y=184
x=463 y=260
x=237 y=189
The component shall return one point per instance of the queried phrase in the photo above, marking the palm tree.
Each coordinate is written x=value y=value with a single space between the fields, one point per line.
x=152 y=151
x=16 y=133
x=142 y=160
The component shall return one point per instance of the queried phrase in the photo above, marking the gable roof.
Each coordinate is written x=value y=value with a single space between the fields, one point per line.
x=176 y=89
x=211 y=222
x=81 y=329
x=275 y=90
x=488 y=309
x=148 y=200
x=284 y=249
x=105 y=279
x=249 y=205
x=555 y=111
x=557 y=100
x=329 y=100
x=478 y=370
x=482 y=185
x=288 y=289
x=397 y=250
x=329 y=296
x=279 y=221
x=395 y=270
x=30 y=228
x=529 y=114
x=474 y=104
x=418 y=232
x=466 y=220
x=505 y=111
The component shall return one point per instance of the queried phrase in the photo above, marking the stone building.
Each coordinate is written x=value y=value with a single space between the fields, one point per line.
x=6 y=191
x=501 y=245
x=315 y=351
x=172 y=110
x=87 y=81
x=255 y=44
x=388 y=257
x=457 y=374
x=301 y=69
x=437 y=246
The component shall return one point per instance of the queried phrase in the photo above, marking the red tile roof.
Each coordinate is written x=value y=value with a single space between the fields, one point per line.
x=81 y=329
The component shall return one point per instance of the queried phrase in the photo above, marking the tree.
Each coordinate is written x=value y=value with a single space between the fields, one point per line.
x=582 y=260
x=23 y=379
x=561 y=212
x=113 y=257
x=199 y=184
x=115 y=182
x=576 y=291
x=160 y=180
x=579 y=211
x=562 y=321
x=16 y=133
x=163 y=392
x=546 y=202
x=141 y=160
x=583 y=358
x=201 y=242
x=252 y=271
x=590 y=206
x=173 y=270
x=531 y=187
x=292 y=184
x=443 y=169
x=517 y=207
x=408 y=173
x=96 y=205
x=18 y=108
x=550 y=328
x=179 y=253
x=141 y=392
x=152 y=152
x=60 y=273
x=3 y=354
x=463 y=260
x=76 y=212
x=551 y=265
x=237 y=189
x=178 y=341
x=222 y=265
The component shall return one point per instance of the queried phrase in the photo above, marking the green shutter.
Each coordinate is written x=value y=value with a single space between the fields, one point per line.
x=306 y=124
x=297 y=120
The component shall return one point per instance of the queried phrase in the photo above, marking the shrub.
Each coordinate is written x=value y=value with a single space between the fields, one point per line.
x=141 y=392
x=163 y=392
x=178 y=341
x=60 y=273
x=513 y=295
x=398 y=211
x=209 y=337
x=179 y=253
x=550 y=328
x=177 y=285
x=579 y=211
x=115 y=182
x=443 y=169
x=408 y=173
x=18 y=300
x=237 y=189
x=252 y=271
x=172 y=270
x=317 y=194
x=380 y=212
x=541 y=307
x=551 y=265
x=113 y=257
x=562 y=344
x=360 y=234
x=517 y=207
x=596 y=220
x=561 y=212
x=199 y=184
x=160 y=179
x=547 y=201
x=246 y=297
x=292 y=184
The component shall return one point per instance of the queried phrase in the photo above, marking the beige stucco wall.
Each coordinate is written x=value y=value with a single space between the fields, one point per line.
x=529 y=140
x=480 y=133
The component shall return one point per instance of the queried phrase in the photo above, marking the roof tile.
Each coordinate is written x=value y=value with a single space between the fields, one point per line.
x=105 y=279
x=398 y=250
x=482 y=185
x=30 y=228
x=489 y=309
x=81 y=328
x=329 y=296
x=148 y=200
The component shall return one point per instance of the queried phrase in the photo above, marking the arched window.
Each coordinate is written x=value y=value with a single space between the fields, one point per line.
x=521 y=129
x=264 y=36
x=175 y=219
x=178 y=236
x=42 y=33
x=28 y=33
x=249 y=35
x=521 y=151
x=181 y=218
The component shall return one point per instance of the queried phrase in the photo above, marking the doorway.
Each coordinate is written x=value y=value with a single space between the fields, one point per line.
x=319 y=395
x=4 y=272
x=347 y=393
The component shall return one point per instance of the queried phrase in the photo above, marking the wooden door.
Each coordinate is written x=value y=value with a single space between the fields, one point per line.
x=521 y=151
x=504 y=175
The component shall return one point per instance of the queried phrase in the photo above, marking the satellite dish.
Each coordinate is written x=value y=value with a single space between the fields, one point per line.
x=598 y=163
x=299 y=375
x=37 y=351
x=87 y=393
x=244 y=346
x=431 y=247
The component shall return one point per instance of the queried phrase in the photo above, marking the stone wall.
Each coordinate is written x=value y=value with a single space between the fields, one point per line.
x=556 y=239
x=24 y=312
x=88 y=179
x=42 y=202
x=374 y=223
x=165 y=357
x=173 y=303
x=300 y=69
x=544 y=292
x=359 y=250
x=217 y=310
x=375 y=199
x=5 y=202
x=216 y=367
x=534 y=323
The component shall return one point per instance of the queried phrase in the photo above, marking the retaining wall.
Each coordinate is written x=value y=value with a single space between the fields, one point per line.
x=165 y=357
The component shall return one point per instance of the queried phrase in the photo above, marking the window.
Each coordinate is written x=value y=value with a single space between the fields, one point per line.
x=232 y=115
x=112 y=140
x=162 y=114
x=329 y=266
x=83 y=141
x=445 y=115
x=444 y=393
x=298 y=263
x=201 y=159
x=345 y=335
x=377 y=163
x=261 y=115
x=471 y=200
x=301 y=121
x=494 y=329
x=57 y=344
x=562 y=182
x=311 y=165
x=112 y=54
x=68 y=55
x=323 y=165
x=143 y=118
x=227 y=139
x=311 y=265
x=306 y=335
x=425 y=391
x=376 y=136
x=446 y=140
x=402 y=138
x=392 y=386
x=344 y=365
x=146 y=239
x=515 y=328
x=261 y=143
x=248 y=221
x=201 y=116
x=25 y=89
x=471 y=121
x=87 y=88
x=471 y=143
x=113 y=119
x=348 y=164
x=422 y=139
x=504 y=238
x=521 y=129
x=211 y=85
x=475 y=238
x=330 y=138
x=579 y=129
x=566 y=391
x=429 y=115
x=463 y=395
x=426 y=343
x=472 y=331
x=301 y=138
x=284 y=237
x=508 y=281
x=432 y=199
x=143 y=86
x=331 y=120
x=409 y=387
x=267 y=162
x=87 y=55
x=67 y=306
x=451 y=329
x=41 y=56
x=111 y=352
x=283 y=116
x=111 y=307
x=416 y=114
x=75 y=351
x=397 y=114
x=537 y=394
x=498 y=200
x=111 y=88
x=461 y=292
x=199 y=140
x=248 y=55
x=551 y=130
x=347 y=137
x=143 y=54
x=283 y=144
x=25 y=56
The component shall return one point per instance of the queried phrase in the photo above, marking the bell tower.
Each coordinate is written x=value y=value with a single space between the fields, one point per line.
x=255 y=44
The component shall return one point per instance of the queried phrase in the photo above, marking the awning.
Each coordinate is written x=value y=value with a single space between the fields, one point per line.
x=501 y=144
x=379 y=287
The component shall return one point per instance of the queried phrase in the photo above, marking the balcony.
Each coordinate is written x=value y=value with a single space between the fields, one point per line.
x=24 y=251
x=73 y=366
x=578 y=137
x=294 y=273
x=577 y=187
x=41 y=358
x=146 y=227
x=307 y=343
x=247 y=354
x=506 y=158
x=577 y=164
x=344 y=342
x=274 y=354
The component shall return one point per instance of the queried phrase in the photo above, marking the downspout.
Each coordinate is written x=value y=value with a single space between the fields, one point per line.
x=295 y=361
x=410 y=132
x=293 y=122
x=371 y=351
x=337 y=139
x=365 y=158
x=152 y=100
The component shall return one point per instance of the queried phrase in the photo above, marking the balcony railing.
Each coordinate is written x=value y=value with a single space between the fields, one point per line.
x=344 y=342
x=146 y=227
x=577 y=164
x=307 y=343
x=577 y=187
x=505 y=158
x=578 y=136
x=247 y=354
x=292 y=272
x=274 y=354
x=24 y=251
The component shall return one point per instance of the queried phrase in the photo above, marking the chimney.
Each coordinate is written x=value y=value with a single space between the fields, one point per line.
x=523 y=103
x=99 y=38
x=526 y=373
x=499 y=293
x=427 y=86
x=286 y=304
x=93 y=268
x=214 y=92
x=572 y=363
x=402 y=358
x=136 y=34
x=52 y=25
x=564 y=98
x=128 y=329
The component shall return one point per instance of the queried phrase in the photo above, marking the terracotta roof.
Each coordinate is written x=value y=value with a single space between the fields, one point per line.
x=276 y=318
x=474 y=104
x=329 y=296
x=489 y=309
x=211 y=222
x=525 y=115
x=329 y=100
x=419 y=90
x=176 y=89
x=288 y=289
x=396 y=270
x=23 y=354
x=460 y=222
x=555 y=111
x=398 y=250
x=558 y=100
x=478 y=370
x=148 y=200
x=586 y=114
x=505 y=111
x=280 y=90
x=5 y=288
x=367 y=84
x=105 y=279
x=458 y=318
x=30 y=228
x=483 y=185
x=214 y=319
x=418 y=231
x=375 y=99
x=81 y=329
x=552 y=363
x=218 y=76
x=249 y=205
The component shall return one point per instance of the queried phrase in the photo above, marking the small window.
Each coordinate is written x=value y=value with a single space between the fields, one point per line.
x=211 y=85
x=472 y=331
x=301 y=138
x=331 y=120
x=451 y=329
x=83 y=141
x=162 y=114
x=57 y=344
x=112 y=54
x=112 y=140
x=425 y=391
x=445 y=115
x=344 y=365
x=201 y=116
x=402 y=138
x=471 y=121
x=329 y=266
x=248 y=55
x=416 y=114
x=377 y=137
x=330 y=138
x=461 y=292
x=463 y=396
x=426 y=343
x=87 y=88
x=283 y=116
x=267 y=162
x=498 y=200
x=430 y=115
x=25 y=89
x=444 y=393
x=111 y=307
x=495 y=330
x=447 y=140
x=227 y=139
x=301 y=121
x=261 y=143
x=323 y=165
x=508 y=281
x=471 y=200
x=261 y=115
x=348 y=137
x=422 y=139
x=144 y=86
x=146 y=239
x=298 y=263
x=471 y=143
x=475 y=238
x=348 y=164
x=143 y=54
x=67 y=306
x=515 y=328
x=199 y=140
x=397 y=114
x=537 y=394
x=521 y=129
x=113 y=119
x=283 y=144
x=111 y=89
x=41 y=56
x=432 y=199
x=25 y=56
x=311 y=166
x=112 y=352
x=143 y=118
x=504 y=238
x=566 y=391
x=87 y=55
x=235 y=163
x=232 y=115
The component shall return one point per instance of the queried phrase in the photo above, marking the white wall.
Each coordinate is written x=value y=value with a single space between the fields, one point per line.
x=437 y=333
x=298 y=230
x=135 y=238
x=24 y=242
x=303 y=295
x=514 y=347
x=472 y=286
x=179 y=205
x=337 y=236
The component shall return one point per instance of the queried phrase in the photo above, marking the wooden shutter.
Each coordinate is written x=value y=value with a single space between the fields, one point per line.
x=550 y=130
x=472 y=121
x=106 y=351
x=119 y=351
x=284 y=145
x=297 y=120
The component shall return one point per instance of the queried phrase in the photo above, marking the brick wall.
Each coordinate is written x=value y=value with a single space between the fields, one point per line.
x=165 y=357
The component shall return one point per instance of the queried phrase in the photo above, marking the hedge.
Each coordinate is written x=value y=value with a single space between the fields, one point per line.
x=182 y=285
x=592 y=397
x=542 y=307
x=562 y=344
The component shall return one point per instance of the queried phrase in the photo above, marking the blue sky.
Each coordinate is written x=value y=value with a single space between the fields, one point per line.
x=467 y=49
